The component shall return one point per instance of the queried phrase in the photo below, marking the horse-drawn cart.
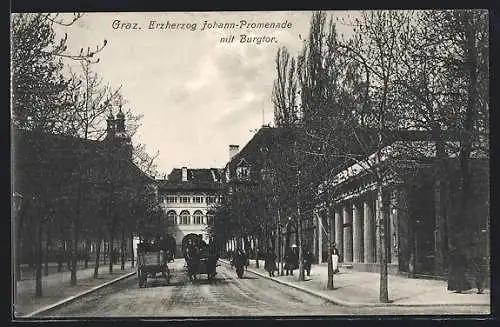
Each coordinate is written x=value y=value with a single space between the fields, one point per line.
x=152 y=263
x=199 y=259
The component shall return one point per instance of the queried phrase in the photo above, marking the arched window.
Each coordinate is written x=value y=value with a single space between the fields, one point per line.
x=172 y=217
x=210 y=218
x=198 y=217
x=184 y=217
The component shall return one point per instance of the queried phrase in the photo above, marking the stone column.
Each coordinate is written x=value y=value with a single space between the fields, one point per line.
x=369 y=230
x=357 y=229
x=339 y=233
x=347 y=213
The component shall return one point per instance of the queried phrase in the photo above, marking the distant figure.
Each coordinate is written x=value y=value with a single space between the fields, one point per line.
x=457 y=280
x=247 y=256
x=270 y=262
x=308 y=260
x=335 y=259
x=192 y=260
x=291 y=262
x=480 y=272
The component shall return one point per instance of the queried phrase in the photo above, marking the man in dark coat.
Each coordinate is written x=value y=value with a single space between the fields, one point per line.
x=291 y=262
x=270 y=262
x=192 y=260
x=308 y=260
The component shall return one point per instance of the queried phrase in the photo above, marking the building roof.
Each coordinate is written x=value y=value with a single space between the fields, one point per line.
x=198 y=179
x=37 y=153
x=265 y=141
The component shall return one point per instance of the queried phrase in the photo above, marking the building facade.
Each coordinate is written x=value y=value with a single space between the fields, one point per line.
x=421 y=198
x=420 y=202
x=188 y=196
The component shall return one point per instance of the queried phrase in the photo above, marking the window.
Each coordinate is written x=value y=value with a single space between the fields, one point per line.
x=185 y=199
x=210 y=218
x=171 y=199
x=211 y=199
x=243 y=172
x=198 y=217
x=172 y=217
x=197 y=199
x=184 y=218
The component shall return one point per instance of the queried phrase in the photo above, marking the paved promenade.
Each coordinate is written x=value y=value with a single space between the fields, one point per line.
x=56 y=287
x=354 y=288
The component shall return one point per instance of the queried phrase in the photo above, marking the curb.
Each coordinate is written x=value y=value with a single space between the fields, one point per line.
x=358 y=304
x=74 y=297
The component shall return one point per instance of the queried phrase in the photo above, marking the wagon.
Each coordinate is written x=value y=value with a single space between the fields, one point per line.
x=151 y=263
x=201 y=261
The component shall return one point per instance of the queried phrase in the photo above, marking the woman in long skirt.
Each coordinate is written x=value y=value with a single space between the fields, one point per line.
x=335 y=259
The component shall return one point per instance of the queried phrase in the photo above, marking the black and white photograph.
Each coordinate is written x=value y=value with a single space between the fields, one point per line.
x=203 y=164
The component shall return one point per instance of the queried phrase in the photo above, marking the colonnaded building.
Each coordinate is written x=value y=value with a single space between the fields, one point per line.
x=188 y=196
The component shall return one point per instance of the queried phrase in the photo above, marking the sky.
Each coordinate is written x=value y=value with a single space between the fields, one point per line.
x=196 y=94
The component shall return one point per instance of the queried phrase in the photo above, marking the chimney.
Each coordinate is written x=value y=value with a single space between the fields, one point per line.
x=184 y=174
x=233 y=150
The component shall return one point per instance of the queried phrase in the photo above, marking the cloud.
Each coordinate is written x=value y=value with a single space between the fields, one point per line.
x=197 y=95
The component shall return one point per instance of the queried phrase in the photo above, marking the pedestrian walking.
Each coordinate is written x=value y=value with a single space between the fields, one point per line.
x=308 y=260
x=291 y=261
x=288 y=262
x=270 y=262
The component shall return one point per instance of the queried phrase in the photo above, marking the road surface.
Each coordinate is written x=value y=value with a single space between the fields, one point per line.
x=229 y=296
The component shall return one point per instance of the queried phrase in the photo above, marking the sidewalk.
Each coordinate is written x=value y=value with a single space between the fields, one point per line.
x=56 y=287
x=354 y=288
x=30 y=273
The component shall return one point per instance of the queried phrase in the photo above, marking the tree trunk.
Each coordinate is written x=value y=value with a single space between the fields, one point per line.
x=301 y=251
x=74 y=254
x=282 y=259
x=381 y=219
x=104 y=251
x=111 y=254
x=60 y=256
x=439 y=210
x=123 y=251
x=97 y=256
x=47 y=245
x=87 y=254
x=39 y=259
x=256 y=252
x=331 y=235
x=277 y=247
x=67 y=255
x=132 y=249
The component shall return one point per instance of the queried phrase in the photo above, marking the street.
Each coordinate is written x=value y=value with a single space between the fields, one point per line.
x=229 y=296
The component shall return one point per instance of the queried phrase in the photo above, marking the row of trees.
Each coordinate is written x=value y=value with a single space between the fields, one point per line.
x=80 y=191
x=342 y=98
